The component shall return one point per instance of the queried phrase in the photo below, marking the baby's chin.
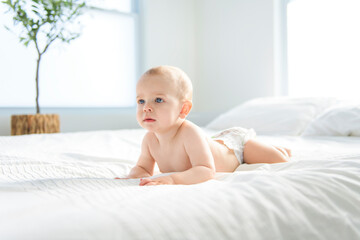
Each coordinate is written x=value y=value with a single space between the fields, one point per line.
x=150 y=127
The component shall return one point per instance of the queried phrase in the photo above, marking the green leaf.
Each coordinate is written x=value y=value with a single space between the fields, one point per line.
x=45 y=18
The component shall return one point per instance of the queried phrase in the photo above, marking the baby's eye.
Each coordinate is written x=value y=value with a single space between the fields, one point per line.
x=159 y=100
x=141 y=101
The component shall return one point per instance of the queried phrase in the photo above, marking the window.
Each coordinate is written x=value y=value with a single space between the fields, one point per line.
x=98 y=69
x=323 y=40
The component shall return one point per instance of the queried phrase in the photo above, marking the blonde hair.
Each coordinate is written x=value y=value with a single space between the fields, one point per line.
x=178 y=76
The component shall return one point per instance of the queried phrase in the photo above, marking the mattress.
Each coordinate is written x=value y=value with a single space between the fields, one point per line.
x=62 y=186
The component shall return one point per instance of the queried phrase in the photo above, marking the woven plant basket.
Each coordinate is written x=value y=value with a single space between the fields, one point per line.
x=38 y=123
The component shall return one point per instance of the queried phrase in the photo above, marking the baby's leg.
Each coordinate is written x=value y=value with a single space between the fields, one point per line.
x=257 y=152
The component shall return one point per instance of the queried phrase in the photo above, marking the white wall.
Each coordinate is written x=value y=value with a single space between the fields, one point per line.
x=226 y=47
x=169 y=34
x=235 y=44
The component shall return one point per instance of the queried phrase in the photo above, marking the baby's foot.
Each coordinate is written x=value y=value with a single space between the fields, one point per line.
x=285 y=151
x=288 y=151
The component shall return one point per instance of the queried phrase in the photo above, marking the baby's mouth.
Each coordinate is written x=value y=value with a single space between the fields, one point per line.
x=149 y=120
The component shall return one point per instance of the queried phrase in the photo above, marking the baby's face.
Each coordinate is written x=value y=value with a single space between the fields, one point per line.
x=158 y=104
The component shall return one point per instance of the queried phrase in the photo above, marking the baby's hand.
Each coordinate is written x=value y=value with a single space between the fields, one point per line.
x=121 y=178
x=157 y=181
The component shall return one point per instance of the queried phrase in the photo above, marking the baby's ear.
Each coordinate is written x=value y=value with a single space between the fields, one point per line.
x=185 y=109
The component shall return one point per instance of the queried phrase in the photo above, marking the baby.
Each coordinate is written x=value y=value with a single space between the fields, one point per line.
x=164 y=99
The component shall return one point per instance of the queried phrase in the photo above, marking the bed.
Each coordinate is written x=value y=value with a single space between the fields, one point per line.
x=62 y=186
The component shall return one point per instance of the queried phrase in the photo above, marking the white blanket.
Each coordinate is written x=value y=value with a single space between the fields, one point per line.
x=62 y=186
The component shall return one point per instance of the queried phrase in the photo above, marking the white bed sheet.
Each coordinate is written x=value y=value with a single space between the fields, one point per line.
x=61 y=186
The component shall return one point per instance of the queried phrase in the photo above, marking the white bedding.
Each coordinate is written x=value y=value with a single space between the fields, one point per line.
x=61 y=186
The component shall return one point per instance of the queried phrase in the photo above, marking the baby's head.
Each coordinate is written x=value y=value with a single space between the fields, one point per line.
x=173 y=76
x=164 y=97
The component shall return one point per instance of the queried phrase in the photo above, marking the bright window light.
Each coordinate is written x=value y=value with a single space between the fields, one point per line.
x=324 y=48
x=122 y=5
x=96 y=70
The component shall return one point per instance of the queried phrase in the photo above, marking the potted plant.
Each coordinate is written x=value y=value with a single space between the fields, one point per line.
x=40 y=23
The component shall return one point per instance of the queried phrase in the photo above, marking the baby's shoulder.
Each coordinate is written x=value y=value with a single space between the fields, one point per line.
x=149 y=137
x=191 y=129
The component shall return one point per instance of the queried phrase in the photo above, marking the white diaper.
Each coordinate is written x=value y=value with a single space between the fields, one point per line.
x=235 y=139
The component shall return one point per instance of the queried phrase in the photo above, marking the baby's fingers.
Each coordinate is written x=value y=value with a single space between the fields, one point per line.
x=145 y=181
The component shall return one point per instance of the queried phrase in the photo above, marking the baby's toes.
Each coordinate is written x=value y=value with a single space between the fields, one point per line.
x=288 y=151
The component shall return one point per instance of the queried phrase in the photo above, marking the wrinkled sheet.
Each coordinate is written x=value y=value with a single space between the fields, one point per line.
x=62 y=186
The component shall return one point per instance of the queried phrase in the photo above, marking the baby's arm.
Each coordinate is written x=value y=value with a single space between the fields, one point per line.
x=145 y=165
x=201 y=158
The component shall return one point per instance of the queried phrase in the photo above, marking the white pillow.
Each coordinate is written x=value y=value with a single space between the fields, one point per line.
x=273 y=116
x=339 y=120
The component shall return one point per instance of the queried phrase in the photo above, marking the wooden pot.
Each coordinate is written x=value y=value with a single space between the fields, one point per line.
x=38 y=123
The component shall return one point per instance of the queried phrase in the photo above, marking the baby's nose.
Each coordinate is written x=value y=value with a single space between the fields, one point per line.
x=148 y=108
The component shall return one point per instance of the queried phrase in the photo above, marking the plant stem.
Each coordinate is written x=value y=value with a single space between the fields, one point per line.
x=37 y=83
